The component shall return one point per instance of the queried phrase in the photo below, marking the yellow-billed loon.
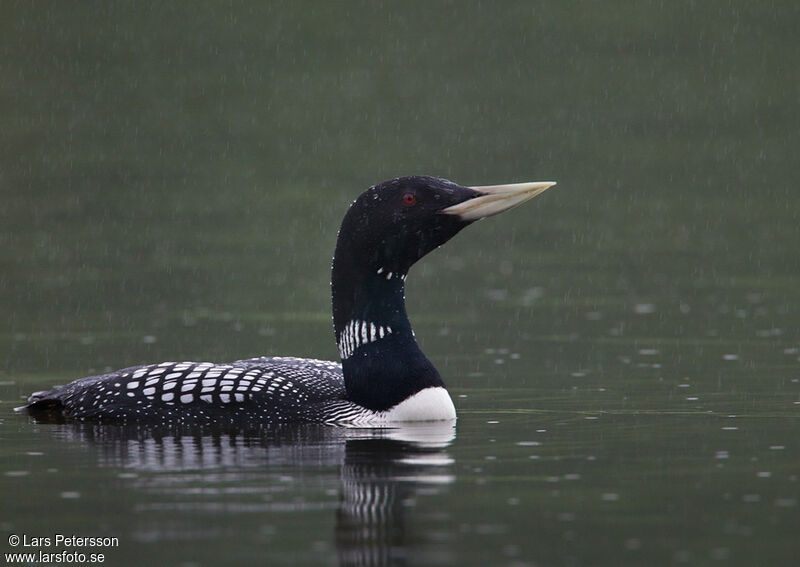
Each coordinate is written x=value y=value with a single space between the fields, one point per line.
x=383 y=377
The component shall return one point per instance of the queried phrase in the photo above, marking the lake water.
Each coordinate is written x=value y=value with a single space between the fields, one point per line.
x=623 y=351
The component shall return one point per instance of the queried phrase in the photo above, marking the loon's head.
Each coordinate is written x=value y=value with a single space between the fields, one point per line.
x=388 y=228
x=395 y=223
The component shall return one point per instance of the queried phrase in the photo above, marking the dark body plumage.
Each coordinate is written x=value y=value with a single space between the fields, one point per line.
x=384 y=377
x=257 y=390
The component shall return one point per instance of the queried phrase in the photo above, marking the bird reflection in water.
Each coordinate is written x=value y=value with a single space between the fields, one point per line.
x=381 y=479
x=382 y=474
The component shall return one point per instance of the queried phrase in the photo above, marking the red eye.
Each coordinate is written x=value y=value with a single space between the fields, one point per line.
x=409 y=199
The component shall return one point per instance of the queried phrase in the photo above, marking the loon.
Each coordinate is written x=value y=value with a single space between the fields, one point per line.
x=383 y=377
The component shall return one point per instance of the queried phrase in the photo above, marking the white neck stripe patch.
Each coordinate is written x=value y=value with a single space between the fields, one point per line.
x=358 y=333
x=389 y=275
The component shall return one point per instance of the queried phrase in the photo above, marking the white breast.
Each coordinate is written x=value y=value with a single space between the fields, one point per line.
x=430 y=404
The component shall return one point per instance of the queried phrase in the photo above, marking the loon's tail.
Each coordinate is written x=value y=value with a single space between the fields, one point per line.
x=44 y=400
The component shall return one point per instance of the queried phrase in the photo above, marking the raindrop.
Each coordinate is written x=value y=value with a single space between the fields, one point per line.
x=633 y=544
x=720 y=553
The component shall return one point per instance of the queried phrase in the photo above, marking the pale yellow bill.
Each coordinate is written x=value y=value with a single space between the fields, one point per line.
x=496 y=199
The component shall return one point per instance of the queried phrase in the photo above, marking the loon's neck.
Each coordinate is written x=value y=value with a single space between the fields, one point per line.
x=381 y=361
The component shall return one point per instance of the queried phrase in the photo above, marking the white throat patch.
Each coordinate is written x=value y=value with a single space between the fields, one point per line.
x=357 y=333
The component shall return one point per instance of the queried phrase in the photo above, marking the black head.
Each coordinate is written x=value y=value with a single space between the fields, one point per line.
x=395 y=223
x=388 y=228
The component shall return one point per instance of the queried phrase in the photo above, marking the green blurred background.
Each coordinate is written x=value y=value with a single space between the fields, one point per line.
x=172 y=177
